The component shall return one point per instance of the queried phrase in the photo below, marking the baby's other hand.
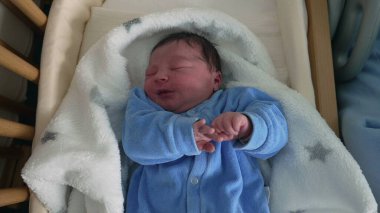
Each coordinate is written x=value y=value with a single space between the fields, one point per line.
x=232 y=126
x=204 y=134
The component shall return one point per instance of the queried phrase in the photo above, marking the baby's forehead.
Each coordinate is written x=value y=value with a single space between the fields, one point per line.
x=178 y=50
x=180 y=44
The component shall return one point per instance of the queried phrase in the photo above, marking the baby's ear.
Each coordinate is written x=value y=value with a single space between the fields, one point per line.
x=218 y=79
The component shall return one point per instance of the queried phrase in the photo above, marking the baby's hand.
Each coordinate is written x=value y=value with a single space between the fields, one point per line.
x=232 y=125
x=203 y=135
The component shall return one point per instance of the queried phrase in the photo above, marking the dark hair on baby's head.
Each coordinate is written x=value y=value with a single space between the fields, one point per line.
x=209 y=51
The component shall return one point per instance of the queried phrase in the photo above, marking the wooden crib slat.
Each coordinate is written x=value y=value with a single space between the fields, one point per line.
x=320 y=54
x=13 y=195
x=16 y=64
x=13 y=129
x=30 y=10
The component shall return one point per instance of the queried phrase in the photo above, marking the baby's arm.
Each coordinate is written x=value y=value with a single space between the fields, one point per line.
x=152 y=135
x=267 y=132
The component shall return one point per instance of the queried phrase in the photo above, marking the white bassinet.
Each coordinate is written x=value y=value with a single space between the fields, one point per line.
x=288 y=31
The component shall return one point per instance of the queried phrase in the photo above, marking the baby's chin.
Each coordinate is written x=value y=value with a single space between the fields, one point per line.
x=175 y=105
x=177 y=110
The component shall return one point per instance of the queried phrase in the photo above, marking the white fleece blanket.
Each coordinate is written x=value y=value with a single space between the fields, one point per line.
x=76 y=166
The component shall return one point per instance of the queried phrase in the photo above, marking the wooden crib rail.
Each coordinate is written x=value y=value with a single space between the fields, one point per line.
x=18 y=65
x=28 y=12
x=16 y=130
x=13 y=195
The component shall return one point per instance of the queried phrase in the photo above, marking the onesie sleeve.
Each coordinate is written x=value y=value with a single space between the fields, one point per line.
x=270 y=130
x=152 y=135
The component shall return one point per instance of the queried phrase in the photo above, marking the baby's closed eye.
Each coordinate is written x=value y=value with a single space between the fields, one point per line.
x=181 y=68
x=150 y=71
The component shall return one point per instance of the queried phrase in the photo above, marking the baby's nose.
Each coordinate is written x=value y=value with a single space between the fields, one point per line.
x=162 y=76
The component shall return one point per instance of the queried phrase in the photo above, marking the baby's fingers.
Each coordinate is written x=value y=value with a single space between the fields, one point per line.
x=224 y=137
x=198 y=124
x=223 y=126
x=206 y=130
x=237 y=123
x=211 y=134
x=201 y=127
x=205 y=146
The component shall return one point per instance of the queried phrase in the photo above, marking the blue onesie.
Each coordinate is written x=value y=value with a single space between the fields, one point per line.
x=175 y=176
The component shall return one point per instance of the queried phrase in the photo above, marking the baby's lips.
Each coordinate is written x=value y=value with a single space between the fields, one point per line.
x=163 y=91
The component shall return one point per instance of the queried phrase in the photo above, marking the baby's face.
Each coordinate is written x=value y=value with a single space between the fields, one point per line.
x=178 y=78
